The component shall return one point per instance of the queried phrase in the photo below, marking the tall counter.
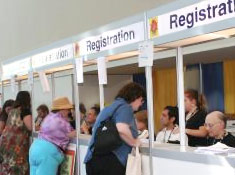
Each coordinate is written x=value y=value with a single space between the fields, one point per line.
x=170 y=159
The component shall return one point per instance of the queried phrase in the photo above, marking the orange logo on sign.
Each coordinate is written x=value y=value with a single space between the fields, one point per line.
x=153 y=22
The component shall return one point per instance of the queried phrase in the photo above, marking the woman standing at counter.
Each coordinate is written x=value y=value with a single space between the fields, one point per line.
x=14 y=142
x=128 y=100
x=195 y=118
x=46 y=152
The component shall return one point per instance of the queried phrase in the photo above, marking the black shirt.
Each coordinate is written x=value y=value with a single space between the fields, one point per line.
x=196 y=121
x=228 y=140
x=25 y=112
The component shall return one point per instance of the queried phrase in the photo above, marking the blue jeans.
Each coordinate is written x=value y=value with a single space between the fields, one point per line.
x=44 y=158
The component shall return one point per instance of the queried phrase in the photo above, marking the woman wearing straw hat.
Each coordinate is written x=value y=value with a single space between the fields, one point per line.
x=46 y=152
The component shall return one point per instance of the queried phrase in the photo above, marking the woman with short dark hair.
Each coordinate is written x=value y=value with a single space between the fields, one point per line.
x=128 y=100
x=14 y=142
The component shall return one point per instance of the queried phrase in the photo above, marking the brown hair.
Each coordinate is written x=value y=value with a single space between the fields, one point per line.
x=43 y=108
x=200 y=99
x=131 y=92
x=142 y=116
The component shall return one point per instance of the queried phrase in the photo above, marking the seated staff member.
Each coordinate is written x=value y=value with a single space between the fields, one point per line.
x=169 y=120
x=128 y=100
x=195 y=118
x=141 y=118
x=87 y=125
x=215 y=124
x=42 y=111
x=46 y=152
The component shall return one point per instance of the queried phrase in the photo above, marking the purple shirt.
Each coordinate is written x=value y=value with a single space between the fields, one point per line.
x=55 y=129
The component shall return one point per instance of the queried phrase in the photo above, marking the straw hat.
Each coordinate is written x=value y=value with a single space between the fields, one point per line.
x=61 y=103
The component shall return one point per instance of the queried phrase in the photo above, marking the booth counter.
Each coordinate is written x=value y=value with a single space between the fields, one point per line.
x=171 y=159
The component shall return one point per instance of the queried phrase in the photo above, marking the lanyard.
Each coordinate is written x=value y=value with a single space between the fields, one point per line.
x=164 y=139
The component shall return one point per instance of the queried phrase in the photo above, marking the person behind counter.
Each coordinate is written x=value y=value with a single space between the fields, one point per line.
x=7 y=106
x=141 y=121
x=128 y=100
x=195 y=118
x=14 y=142
x=46 y=152
x=169 y=119
x=42 y=111
x=215 y=124
x=87 y=125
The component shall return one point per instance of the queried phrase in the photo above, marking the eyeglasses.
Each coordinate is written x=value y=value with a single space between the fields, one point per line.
x=210 y=125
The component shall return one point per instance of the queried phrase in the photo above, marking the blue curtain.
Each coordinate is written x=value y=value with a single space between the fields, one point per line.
x=213 y=86
x=140 y=79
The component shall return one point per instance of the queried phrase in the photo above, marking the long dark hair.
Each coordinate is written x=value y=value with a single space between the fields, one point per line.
x=131 y=92
x=8 y=103
x=23 y=100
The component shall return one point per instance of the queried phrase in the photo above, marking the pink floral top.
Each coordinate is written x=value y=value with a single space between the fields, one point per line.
x=55 y=129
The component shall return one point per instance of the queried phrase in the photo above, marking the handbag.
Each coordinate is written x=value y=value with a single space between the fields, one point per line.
x=134 y=162
x=107 y=137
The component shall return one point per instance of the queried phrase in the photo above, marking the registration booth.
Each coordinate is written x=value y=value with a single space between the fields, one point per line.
x=183 y=31
x=177 y=32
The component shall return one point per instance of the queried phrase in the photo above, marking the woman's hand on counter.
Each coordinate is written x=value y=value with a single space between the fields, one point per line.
x=72 y=134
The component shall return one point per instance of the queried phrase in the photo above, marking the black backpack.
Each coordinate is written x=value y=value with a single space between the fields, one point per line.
x=107 y=138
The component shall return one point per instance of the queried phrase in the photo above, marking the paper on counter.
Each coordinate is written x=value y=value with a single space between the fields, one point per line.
x=218 y=148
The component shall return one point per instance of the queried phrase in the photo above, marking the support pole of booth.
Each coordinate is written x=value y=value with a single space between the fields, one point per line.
x=102 y=75
x=2 y=93
x=53 y=86
x=78 y=117
x=31 y=90
x=149 y=91
x=19 y=85
x=101 y=89
x=180 y=97
x=201 y=82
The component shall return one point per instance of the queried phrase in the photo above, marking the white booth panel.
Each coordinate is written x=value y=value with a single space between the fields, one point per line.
x=8 y=92
x=63 y=87
x=115 y=83
x=161 y=166
x=194 y=75
x=89 y=91
x=41 y=97
x=83 y=150
x=25 y=85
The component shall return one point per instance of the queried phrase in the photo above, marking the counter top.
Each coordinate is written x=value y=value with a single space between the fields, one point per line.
x=176 y=152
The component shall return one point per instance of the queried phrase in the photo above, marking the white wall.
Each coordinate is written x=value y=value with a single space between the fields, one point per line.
x=192 y=79
x=89 y=92
x=8 y=92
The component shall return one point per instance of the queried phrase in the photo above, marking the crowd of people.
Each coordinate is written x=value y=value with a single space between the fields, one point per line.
x=57 y=126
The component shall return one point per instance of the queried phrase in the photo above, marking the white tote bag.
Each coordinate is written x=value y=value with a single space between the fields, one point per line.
x=134 y=162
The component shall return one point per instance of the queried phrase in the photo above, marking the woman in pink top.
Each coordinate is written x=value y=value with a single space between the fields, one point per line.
x=46 y=152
